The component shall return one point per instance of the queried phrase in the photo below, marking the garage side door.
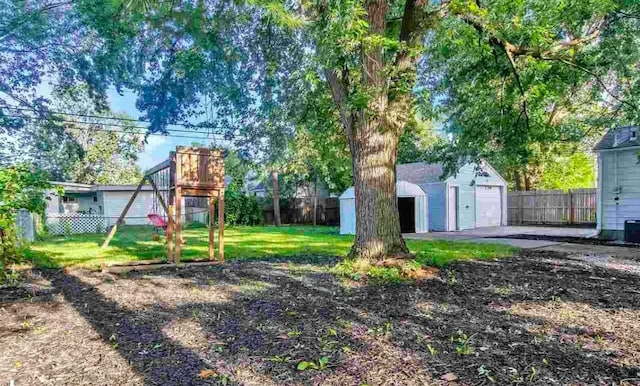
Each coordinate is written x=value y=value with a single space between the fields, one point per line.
x=488 y=206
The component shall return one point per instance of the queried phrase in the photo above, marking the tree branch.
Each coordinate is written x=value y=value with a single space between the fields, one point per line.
x=338 y=89
x=535 y=52
x=597 y=78
x=514 y=70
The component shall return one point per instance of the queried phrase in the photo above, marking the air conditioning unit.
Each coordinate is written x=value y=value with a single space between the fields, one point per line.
x=632 y=231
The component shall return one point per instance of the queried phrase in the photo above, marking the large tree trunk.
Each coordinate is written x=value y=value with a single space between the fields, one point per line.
x=374 y=155
x=276 y=199
x=374 y=150
x=373 y=134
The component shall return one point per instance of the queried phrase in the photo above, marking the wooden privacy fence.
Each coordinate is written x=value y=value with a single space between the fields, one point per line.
x=573 y=207
x=300 y=211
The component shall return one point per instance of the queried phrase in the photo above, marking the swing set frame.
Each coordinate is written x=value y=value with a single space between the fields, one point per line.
x=192 y=172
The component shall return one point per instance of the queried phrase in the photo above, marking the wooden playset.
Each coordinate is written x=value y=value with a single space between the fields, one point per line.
x=189 y=172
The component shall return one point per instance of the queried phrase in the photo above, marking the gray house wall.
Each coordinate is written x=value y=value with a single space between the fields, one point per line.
x=619 y=183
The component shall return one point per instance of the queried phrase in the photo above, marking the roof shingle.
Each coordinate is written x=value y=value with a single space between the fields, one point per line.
x=619 y=137
x=419 y=172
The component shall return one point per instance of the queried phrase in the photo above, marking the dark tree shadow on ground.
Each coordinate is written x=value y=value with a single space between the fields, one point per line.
x=268 y=317
x=138 y=338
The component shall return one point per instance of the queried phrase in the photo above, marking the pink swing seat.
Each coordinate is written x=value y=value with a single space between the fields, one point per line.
x=157 y=221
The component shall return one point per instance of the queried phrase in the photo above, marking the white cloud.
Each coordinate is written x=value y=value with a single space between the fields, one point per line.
x=154 y=152
x=153 y=142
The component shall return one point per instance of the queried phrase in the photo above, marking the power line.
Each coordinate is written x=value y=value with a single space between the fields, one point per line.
x=113 y=118
x=124 y=131
x=154 y=134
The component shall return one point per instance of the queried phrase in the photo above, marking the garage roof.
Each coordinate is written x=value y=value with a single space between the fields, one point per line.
x=419 y=172
x=620 y=137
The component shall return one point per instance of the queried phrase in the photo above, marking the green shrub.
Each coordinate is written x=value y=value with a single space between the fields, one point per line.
x=11 y=252
x=240 y=209
x=21 y=187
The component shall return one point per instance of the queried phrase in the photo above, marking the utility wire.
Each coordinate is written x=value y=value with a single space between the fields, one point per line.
x=113 y=118
x=206 y=137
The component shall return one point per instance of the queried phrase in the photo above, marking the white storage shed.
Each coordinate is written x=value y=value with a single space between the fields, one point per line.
x=412 y=205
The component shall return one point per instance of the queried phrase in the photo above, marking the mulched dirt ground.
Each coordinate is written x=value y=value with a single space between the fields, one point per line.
x=538 y=318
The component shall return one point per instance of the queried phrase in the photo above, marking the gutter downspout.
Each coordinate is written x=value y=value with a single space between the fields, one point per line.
x=599 y=196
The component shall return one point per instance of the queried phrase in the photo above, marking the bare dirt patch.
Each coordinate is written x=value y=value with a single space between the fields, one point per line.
x=534 y=319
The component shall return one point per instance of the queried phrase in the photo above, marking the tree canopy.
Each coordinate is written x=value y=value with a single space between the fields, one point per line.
x=514 y=76
x=508 y=79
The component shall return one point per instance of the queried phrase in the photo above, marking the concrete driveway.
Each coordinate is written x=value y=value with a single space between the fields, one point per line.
x=501 y=235
x=625 y=259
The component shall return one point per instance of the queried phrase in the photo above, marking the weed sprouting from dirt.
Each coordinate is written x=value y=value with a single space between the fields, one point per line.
x=320 y=364
x=484 y=372
x=462 y=343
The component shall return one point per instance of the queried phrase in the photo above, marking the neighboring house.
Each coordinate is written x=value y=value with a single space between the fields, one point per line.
x=303 y=190
x=473 y=198
x=308 y=190
x=258 y=190
x=618 y=201
x=252 y=186
x=412 y=205
x=104 y=200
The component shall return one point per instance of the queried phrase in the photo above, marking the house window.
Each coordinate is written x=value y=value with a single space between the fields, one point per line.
x=95 y=198
x=69 y=199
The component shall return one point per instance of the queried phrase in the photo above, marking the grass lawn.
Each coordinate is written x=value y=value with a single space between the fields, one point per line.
x=136 y=243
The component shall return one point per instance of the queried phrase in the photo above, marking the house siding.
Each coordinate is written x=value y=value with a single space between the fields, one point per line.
x=437 y=204
x=87 y=205
x=115 y=201
x=53 y=202
x=619 y=169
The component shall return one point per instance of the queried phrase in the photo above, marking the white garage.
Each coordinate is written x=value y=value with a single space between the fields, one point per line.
x=412 y=205
x=474 y=197
x=488 y=206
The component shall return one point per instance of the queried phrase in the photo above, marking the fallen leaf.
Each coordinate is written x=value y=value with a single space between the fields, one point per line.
x=207 y=373
x=449 y=377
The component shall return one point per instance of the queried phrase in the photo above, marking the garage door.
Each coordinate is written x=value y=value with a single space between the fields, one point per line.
x=488 y=206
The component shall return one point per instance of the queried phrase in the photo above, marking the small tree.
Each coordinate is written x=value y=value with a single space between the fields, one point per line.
x=20 y=187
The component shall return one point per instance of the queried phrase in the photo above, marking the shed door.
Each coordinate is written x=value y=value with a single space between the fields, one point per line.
x=407 y=210
x=453 y=209
x=488 y=206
